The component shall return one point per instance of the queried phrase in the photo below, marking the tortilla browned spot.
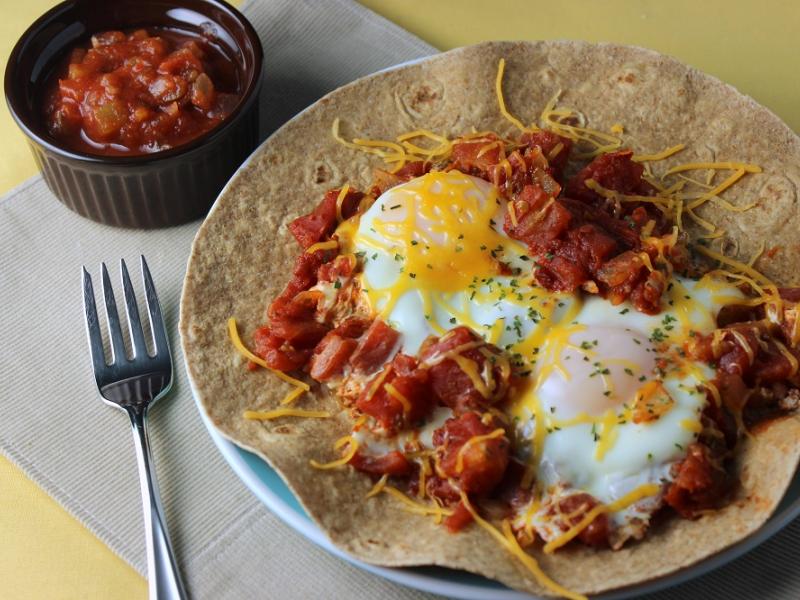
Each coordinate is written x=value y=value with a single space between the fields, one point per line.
x=242 y=255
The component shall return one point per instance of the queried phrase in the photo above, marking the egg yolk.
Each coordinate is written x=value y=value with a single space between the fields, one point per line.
x=443 y=232
x=597 y=369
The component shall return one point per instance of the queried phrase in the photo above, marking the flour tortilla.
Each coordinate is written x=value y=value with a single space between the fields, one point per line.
x=242 y=258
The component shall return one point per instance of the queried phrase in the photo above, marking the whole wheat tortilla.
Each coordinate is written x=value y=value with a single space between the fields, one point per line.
x=242 y=257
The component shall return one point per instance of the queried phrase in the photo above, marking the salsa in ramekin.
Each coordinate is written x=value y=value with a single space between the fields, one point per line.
x=139 y=92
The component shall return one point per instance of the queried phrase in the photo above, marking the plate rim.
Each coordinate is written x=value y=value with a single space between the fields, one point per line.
x=408 y=576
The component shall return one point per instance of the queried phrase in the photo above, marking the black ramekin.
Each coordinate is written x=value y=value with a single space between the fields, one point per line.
x=152 y=190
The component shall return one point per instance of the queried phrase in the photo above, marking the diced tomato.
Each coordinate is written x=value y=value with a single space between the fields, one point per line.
x=321 y=222
x=353 y=327
x=292 y=314
x=374 y=347
x=735 y=355
x=295 y=320
x=276 y=352
x=561 y=272
x=510 y=490
x=180 y=62
x=412 y=170
x=392 y=463
x=748 y=349
x=384 y=180
x=330 y=356
x=482 y=464
x=537 y=224
x=736 y=313
x=593 y=246
x=614 y=171
x=621 y=275
x=475 y=156
x=460 y=518
x=698 y=347
x=408 y=382
x=771 y=366
x=699 y=484
x=304 y=274
x=449 y=383
x=573 y=241
x=735 y=395
x=333 y=351
x=790 y=294
x=576 y=258
x=576 y=506
x=340 y=268
x=646 y=297
x=624 y=229
x=547 y=142
x=436 y=487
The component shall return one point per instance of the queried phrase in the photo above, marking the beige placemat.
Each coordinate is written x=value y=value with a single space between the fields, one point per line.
x=54 y=427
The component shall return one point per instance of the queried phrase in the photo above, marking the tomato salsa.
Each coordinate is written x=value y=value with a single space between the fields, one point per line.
x=140 y=92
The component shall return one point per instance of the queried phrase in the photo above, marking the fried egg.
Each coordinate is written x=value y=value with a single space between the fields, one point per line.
x=607 y=401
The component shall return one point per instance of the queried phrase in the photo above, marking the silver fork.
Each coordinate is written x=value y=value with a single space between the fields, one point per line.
x=134 y=385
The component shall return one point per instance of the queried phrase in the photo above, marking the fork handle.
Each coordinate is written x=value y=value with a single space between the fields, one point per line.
x=163 y=577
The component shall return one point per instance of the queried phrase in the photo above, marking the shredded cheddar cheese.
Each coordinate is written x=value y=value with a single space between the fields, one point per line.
x=717 y=190
x=397 y=395
x=512 y=213
x=713 y=165
x=417 y=507
x=757 y=254
x=470 y=369
x=789 y=356
x=352 y=448
x=292 y=396
x=692 y=425
x=439 y=152
x=378 y=487
x=501 y=103
x=762 y=285
x=651 y=402
x=339 y=200
x=476 y=439
x=233 y=333
x=507 y=540
x=285 y=412
x=666 y=153
x=390 y=152
x=643 y=491
x=329 y=245
x=559 y=121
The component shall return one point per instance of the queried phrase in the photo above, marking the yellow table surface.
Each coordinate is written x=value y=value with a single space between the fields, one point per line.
x=45 y=553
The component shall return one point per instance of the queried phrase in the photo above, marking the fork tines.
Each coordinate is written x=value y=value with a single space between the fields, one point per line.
x=139 y=346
